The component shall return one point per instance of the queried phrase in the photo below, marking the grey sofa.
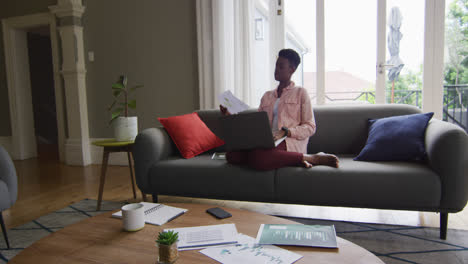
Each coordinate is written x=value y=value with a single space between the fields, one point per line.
x=438 y=185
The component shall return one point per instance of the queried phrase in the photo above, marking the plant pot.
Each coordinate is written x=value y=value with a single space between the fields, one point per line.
x=125 y=128
x=168 y=254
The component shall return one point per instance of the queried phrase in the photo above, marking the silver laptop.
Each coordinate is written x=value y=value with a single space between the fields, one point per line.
x=247 y=131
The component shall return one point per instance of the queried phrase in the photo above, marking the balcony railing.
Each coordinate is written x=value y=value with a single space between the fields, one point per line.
x=455 y=105
x=454 y=109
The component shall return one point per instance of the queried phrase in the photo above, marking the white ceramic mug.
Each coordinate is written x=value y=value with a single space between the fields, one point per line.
x=133 y=217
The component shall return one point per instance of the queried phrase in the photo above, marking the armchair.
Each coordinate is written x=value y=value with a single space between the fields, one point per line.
x=8 y=187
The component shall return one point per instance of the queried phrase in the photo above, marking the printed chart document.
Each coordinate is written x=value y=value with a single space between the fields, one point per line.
x=246 y=251
x=298 y=235
x=157 y=214
x=233 y=104
x=203 y=236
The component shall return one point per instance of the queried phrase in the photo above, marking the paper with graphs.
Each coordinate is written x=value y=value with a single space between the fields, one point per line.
x=246 y=251
x=233 y=104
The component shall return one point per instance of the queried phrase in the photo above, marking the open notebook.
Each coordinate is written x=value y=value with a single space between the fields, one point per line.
x=157 y=214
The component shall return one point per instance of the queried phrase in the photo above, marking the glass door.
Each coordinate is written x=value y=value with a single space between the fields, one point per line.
x=341 y=45
x=351 y=44
x=374 y=51
x=404 y=51
x=301 y=35
x=363 y=51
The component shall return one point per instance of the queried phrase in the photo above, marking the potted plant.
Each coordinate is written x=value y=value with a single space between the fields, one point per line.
x=167 y=245
x=125 y=127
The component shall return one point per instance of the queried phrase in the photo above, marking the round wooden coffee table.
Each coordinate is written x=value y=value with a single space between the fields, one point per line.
x=100 y=239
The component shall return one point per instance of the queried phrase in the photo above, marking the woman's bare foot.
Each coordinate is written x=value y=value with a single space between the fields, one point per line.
x=321 y=159
x=307 y=164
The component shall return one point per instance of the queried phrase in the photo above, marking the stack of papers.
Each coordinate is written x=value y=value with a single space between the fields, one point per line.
x=204 y=236
x=222 y=243
x=246 y=251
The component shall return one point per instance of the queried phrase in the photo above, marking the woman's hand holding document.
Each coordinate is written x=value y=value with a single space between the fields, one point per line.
x=233 y=104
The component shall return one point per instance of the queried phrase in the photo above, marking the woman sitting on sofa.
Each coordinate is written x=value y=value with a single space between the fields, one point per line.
x=290 y=113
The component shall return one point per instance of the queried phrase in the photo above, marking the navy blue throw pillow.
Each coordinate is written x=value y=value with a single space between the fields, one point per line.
x=396 y=138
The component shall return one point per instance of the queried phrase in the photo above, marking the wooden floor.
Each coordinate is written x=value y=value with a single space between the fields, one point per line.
x=45 y=185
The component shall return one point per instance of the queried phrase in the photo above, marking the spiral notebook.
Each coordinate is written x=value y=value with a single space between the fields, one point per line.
x=157 y=214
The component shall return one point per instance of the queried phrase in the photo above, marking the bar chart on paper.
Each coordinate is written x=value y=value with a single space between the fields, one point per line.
x=298 y=235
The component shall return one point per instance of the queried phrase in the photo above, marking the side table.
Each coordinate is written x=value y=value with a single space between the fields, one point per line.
x=111 y=145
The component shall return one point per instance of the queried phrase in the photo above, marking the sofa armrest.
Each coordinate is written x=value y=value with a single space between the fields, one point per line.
x=8 y=179
x=447 y=151
x=151 y=146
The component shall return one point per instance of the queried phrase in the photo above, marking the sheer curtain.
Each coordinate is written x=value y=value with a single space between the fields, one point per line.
x=225 y=45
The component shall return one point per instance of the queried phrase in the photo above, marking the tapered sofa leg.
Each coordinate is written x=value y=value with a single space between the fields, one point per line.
x=443 y=225
x=155 y=198
x=4 y=230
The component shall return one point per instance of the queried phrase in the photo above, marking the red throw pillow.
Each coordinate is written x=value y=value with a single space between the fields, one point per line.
x=190 y=134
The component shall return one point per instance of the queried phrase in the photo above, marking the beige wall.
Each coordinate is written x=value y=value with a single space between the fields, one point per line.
x=12 y=9
x=153 y=43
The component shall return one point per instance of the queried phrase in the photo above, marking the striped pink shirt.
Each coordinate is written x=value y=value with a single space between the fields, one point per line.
x=294 y=112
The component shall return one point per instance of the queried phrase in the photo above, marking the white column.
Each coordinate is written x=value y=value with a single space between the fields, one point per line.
x=380 y=97
x=433 y=75
x=205 y=54
x=73 y=70
x=320 y=51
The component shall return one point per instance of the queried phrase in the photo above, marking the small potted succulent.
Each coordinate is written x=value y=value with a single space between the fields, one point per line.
x=167 y=245
x=125 y=127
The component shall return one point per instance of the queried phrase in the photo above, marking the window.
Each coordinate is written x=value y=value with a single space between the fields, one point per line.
x=345 y=56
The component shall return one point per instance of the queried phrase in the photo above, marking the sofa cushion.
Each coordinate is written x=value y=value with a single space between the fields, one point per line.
x=342 y=129
x=385 y=185
x=190 y=134
x=203 y=177
x=396 y=138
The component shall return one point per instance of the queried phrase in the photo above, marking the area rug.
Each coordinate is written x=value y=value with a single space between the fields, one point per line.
x=23 y=236
x=402 y=244
x=392 y=244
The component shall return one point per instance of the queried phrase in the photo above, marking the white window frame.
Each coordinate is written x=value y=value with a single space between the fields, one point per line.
x=432 y=65
x=433 y=74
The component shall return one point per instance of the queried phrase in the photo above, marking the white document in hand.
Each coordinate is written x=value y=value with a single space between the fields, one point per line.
x=201 y=236
x=278 y=141
x=233 y=104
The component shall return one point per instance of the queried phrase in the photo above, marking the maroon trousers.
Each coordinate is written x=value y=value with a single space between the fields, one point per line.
x=265 y=159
